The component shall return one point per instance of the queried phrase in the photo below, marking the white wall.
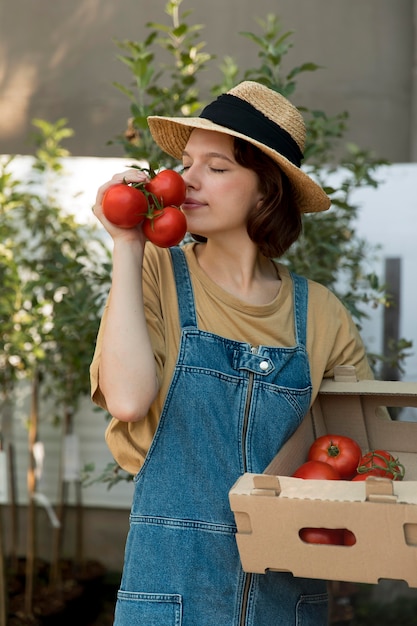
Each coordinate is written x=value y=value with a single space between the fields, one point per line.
x=387 y=218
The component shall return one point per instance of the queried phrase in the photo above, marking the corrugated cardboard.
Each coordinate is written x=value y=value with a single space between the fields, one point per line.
x=271 y=508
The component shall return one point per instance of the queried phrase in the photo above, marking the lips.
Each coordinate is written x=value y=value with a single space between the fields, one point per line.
x=191 y=203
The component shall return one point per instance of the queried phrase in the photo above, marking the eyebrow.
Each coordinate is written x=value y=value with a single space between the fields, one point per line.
x=218 y=155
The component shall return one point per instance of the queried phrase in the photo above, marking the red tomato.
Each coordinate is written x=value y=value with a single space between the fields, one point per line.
x=381 y=463
x=361 y=476
x=166 y=228
x=332 y=536
x=168 y=187
x=365 y=475
x=317 y=470
x=342 y=453
x=349 y=538
x=124 y=205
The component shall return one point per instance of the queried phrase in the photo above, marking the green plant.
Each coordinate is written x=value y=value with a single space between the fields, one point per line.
x=152 y=92
x=110 y=475
x=56 y=274
x=329 y=251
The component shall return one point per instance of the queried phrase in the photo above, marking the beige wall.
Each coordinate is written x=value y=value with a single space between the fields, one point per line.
x=58 y=59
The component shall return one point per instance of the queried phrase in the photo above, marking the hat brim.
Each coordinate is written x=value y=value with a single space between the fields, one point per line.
x=172 y=134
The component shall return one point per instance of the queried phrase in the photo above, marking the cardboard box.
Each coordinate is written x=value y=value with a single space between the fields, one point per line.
x=271 y=508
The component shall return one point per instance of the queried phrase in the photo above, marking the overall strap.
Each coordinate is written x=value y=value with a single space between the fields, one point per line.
x=185 y=292
x=300 y=285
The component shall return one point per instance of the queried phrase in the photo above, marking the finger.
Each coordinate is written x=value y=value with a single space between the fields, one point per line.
x=128 y=176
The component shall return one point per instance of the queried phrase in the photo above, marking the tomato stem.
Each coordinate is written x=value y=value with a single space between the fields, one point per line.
x=393 y=467
x=333 y=450
x=149 y=170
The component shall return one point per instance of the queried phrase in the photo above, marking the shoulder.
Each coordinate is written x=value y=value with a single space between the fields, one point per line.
x=157 y=264
x=158 y=273
x=156 y=257
x=325 y=309
x=319 y=296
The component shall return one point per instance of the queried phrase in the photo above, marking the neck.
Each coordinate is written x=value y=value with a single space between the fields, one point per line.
x=242 y=272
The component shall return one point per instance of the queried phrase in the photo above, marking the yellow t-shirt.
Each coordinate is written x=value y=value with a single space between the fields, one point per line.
x=332 y=337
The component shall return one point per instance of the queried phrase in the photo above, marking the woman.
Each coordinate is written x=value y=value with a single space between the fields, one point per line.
x=209 y=356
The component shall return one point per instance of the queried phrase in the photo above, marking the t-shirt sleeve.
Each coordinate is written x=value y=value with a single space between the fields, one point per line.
x=335 y=338
x=348 y=348
x=96 y=394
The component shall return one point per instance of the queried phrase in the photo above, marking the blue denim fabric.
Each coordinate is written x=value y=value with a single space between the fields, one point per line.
x=229 y=409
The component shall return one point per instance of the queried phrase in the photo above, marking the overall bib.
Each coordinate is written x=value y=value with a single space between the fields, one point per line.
x=229 y=409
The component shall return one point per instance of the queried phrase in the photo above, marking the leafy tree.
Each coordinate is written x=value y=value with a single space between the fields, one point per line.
x=55 y=272
x=166 y=89
x=329 y=250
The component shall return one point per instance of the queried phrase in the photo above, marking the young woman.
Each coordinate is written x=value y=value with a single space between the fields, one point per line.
x=208 y=357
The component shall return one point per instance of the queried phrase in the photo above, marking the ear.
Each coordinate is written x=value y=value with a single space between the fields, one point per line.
x=259 y=203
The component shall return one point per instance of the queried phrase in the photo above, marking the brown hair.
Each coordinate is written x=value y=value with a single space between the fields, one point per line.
x=276 y=223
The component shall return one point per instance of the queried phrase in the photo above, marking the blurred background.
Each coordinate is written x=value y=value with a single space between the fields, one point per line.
x=60 y=60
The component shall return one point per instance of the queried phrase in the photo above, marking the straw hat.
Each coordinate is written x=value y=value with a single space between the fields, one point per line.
x=262 y=117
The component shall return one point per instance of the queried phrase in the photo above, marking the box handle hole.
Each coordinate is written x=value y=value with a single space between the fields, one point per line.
x=328 y=536
x=410 y=534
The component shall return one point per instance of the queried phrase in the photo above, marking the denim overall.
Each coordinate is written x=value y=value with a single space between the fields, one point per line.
x=229 y=409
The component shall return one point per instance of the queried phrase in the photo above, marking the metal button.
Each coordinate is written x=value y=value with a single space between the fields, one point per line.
x=264 y=365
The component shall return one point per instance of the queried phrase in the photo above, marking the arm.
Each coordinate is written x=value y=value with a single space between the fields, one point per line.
x=127 y=370
x=333 y=338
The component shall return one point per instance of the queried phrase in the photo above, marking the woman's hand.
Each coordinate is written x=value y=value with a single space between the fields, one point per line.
x=129 y=176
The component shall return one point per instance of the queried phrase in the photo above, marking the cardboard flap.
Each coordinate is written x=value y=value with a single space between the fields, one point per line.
x=345 y=374
x=265 y=485
x=373 y=489
x=381 y=490
x=388 y=388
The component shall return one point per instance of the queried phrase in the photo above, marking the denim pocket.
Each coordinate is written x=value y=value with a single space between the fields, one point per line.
x=148 y=609
x=312 y=610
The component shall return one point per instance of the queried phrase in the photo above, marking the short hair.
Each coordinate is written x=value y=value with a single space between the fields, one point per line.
x=276 y=223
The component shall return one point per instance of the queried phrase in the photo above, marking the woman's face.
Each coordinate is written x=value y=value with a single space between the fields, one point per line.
x=220 y=192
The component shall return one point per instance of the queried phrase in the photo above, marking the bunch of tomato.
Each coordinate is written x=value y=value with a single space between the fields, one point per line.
x=156 y=204
x=337 y=457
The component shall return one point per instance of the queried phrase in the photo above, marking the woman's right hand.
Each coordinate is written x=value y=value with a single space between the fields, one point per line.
x=128 y=234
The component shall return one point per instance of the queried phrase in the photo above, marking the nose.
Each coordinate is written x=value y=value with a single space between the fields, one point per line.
x=190 y=177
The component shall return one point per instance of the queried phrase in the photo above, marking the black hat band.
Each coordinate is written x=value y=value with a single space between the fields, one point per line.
x=240 y=116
